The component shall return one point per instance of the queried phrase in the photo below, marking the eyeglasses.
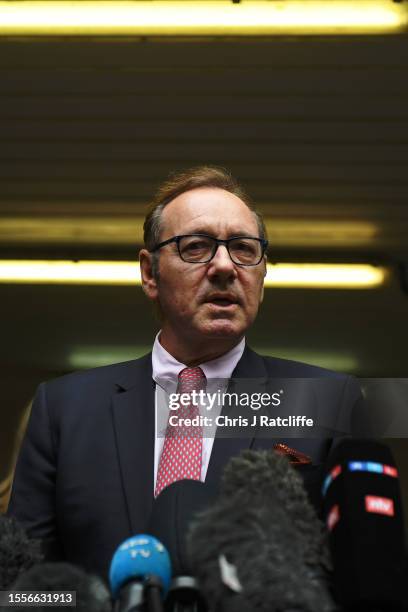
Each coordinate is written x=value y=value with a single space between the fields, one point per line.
x=200 y=248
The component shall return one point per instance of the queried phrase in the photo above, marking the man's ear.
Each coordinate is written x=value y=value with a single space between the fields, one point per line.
x=149 y=279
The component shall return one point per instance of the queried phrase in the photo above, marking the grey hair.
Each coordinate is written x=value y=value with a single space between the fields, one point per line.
x=178 y=183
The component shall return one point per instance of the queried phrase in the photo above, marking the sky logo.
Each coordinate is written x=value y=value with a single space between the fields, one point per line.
x=334 y=472
x=390 y=471
x=333 y=517
x=359 y=466
x=373 y=467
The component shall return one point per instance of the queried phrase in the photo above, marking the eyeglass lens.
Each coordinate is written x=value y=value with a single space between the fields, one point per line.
x=200 y=249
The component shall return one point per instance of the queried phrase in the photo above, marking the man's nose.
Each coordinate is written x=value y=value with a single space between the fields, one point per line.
x=221 y=263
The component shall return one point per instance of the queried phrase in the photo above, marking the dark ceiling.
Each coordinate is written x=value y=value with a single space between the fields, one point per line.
x=316 y=129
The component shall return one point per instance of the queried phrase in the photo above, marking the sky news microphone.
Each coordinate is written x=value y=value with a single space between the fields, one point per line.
x=18 y=552
x=140 y=574
x=363 y=513
x=91 y=593
x=261 y=546
x=172 y=513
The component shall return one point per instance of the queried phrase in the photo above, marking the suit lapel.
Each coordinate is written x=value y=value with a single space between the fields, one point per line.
x=133 y=420
x=251 y=365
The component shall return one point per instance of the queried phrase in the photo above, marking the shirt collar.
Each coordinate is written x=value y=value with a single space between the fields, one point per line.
x=167 y=368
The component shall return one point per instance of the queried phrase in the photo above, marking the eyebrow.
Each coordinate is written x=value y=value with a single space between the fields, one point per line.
x=202 y=230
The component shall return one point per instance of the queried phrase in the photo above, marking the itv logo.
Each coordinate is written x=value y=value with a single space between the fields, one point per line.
x=379 y=505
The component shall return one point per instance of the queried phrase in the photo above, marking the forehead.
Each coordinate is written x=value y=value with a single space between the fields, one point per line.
x=207 y=210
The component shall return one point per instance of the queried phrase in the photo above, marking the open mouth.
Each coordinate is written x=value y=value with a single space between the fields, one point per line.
x=222 y=301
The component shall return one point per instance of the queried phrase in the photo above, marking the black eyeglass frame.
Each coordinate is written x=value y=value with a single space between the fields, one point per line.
x=217 y=241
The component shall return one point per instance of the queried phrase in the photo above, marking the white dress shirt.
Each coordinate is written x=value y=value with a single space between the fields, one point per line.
x=165 y=374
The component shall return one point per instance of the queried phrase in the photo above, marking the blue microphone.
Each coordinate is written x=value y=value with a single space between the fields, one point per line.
x=140 y=574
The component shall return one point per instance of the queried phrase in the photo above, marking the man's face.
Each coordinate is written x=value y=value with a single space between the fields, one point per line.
x=214 y=300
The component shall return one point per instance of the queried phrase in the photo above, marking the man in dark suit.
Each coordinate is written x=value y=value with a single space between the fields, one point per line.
x=93 y=458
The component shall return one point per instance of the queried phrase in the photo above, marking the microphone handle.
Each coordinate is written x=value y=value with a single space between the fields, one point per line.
x=185 y=596
x=154 y=594
x=131 y=598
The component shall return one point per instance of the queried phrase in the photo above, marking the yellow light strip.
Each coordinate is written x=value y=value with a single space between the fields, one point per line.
x=329 y=276
x=90 y=356
x=70 y=272
x=325 y=276
x=220 y=17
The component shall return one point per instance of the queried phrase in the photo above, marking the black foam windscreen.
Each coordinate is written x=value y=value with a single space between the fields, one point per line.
x=364 y=516
x=173 y=510
x=18 y=552
x=261 y=546
x=92 y=594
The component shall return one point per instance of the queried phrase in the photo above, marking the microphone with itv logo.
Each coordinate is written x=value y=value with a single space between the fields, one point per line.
x=364 y=517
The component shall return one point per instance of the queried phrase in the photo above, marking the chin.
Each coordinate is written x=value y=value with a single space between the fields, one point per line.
x=222 y=329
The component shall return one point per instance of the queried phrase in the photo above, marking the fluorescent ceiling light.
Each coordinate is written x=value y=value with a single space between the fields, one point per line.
x=91 y=356
x=325 y=276
x=333 y=360
x=127 y=230
x=70 y=272
x=328 y=276
x=210 y=17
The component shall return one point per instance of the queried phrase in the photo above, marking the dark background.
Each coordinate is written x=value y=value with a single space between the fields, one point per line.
x=316 y=128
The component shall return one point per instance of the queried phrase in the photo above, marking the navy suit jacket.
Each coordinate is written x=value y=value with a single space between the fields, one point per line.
x=84 y=478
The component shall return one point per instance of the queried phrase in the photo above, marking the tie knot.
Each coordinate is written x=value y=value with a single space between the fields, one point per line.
x=191 y=379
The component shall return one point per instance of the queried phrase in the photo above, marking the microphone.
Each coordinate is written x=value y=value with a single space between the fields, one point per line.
x=173 y=510
x=140 y=574
x=261 y=546
x=91 y=593
x=363 y=513
x=18 y=552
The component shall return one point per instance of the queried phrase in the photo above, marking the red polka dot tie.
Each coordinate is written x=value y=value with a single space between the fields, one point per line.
x=182 y=448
